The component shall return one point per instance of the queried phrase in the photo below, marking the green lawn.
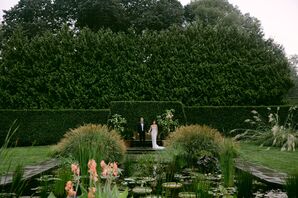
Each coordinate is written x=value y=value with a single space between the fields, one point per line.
x=283 y=161
x=11 y=157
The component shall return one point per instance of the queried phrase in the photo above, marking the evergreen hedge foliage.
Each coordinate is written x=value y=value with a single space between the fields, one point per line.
x=197 y=65
x=227 y=118
x=133 y=110
x=44 y=127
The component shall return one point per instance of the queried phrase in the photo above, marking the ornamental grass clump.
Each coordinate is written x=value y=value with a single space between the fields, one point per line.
x=271 y=130
x=91 y=142
x=194 y=141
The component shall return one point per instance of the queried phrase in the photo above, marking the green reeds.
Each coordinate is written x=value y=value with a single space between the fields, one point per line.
x=227 y=155
x=18 y=184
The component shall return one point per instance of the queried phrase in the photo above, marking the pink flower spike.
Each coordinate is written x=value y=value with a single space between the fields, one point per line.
x=75 y=169
x=115 y=169
x=103 y=164
x=92 y=170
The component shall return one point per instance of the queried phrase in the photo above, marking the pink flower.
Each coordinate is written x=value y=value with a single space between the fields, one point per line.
x=91 y=193
x=92 y=170
x=69 y=189
x=103 y=164
x=115 y=169
x=75 y=169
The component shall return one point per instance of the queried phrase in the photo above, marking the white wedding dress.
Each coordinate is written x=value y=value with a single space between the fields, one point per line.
x=154 y=132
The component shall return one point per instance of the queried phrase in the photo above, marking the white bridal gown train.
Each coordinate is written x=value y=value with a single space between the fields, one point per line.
x=154 y=137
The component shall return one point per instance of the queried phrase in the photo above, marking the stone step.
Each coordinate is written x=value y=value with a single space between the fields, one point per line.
x=147 y=143
x=142 y=150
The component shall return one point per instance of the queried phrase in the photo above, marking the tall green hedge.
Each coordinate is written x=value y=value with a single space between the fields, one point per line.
x=133 y=110
x=227 y=118
x=44 y=127
x=196 y=65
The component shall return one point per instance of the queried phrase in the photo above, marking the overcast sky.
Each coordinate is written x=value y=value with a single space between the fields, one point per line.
x=278 y=17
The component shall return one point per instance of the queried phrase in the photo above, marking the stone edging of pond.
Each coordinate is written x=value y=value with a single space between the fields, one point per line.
x=31 y=171
x=261 y=172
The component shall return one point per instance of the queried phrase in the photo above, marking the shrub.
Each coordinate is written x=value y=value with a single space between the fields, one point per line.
x=195 y=140
x=91 y=142
x=117 y=122
x=167 y=123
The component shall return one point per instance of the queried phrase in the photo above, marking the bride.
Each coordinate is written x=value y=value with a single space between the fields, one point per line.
x=154 y=130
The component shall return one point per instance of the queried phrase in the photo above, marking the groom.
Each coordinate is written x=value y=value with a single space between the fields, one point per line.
x=141 y=130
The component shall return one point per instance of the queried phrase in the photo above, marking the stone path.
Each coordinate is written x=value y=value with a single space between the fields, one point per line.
x=263 y=173
x=31 y=171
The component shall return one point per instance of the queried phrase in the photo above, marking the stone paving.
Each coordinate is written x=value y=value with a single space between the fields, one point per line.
x=263 y=173
x=31 y=171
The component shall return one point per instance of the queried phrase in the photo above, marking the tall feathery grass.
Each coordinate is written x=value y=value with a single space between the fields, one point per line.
x=195 y=140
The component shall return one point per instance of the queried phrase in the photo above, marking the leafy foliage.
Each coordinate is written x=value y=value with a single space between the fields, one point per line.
x=196 y=65
x=167 y=123
x=118 y=123
x=33 y=16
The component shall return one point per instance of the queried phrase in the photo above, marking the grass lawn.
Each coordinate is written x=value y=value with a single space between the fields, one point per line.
x=11 y=157
x=283 y=161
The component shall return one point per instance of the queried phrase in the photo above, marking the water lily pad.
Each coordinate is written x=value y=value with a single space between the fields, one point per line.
x=172 y=185
x=141 y=190
x=186 y=194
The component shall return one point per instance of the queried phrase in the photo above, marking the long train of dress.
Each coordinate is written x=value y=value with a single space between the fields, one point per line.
x=154 y=137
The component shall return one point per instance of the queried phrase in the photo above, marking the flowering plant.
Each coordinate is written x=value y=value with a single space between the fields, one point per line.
x=118 y=123
x=95 y=190
x=167 y=123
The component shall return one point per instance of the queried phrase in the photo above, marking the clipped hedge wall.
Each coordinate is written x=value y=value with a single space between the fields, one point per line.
x=45 y=127
x=133 y=110
x=226 y=118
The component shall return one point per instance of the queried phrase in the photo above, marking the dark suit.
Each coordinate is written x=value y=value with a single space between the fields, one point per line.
x=142 y=131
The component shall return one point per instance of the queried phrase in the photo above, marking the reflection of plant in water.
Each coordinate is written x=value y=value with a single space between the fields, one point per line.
x=167 y=122
x=271 y=132
x=291 y=185
x=244 y=185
